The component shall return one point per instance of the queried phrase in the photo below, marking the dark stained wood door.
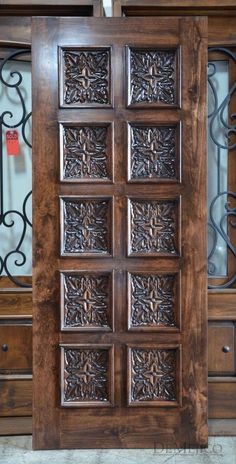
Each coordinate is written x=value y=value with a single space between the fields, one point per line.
x=119 y=280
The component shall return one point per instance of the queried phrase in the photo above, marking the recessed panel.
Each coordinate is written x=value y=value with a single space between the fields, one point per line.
x=153 y=77
x=153 y=153
x=86 y=375
x=153 y=376
x=86 y=226
x=153 y=227
x=86 y=153
x=153 y=300
x=85 y=77
x=86 y=301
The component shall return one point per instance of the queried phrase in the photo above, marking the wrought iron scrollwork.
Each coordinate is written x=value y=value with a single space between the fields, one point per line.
x=8 y=218
x=220 y=226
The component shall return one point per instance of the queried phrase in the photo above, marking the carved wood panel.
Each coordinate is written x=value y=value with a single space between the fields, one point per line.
x=86 y=301
x=86 y=226
x=153 y=301
x=85 y=77
x=153 y=153
x=86 y=153
x=153 y=227
x=153 y=77
x=87 y=375
x=153 y=376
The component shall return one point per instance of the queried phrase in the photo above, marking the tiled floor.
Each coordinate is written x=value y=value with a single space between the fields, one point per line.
x=18 y=450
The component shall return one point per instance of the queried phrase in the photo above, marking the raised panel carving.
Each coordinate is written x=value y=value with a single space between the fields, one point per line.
x=86 y=376
x=153 y=301
x=153 y=153
x=86 y=153
x=153 y=76
x=153 y=227
x=86 y=301
x=86 y=75
x=86 y=226
x=152 y=376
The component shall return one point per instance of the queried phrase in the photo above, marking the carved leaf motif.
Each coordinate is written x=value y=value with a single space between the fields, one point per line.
x=153 y=375
x=86 y=77
x=86 y=375
x=85 y=153
x=153 y=227
x=86 y=226
x=86 y=301
x=152 y=76
x=153 y=153
x=152 y=300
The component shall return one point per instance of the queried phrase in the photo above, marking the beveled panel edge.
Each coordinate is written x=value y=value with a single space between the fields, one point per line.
x=83 y=47
x=110 y=198
x=178 y=200
x=178 y=137
x=161 y=346
x=110 y=126
x=162 y=329
x=89 y=404
x=177 y=104
x=111 y=274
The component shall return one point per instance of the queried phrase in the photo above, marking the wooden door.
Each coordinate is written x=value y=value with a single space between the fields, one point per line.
x=119 y=280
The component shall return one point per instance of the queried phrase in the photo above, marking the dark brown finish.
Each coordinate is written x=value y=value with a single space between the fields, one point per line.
x=154 y=375
x=51 y=8
x=121 y=425
x=87 y=301
x=86 y=226
x=86 y=153
x=153 y=152
x=18 y=356
x=91 y=87
x=172 y=7
x=154 y=301
x=221 y=348
x=16 y=397
x=149 y=237
x=93 y=369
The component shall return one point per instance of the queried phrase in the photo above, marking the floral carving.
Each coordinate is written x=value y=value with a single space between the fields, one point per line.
x=153 y=227
x=86 y=226
x=153 y=375
x=153 y=153
x=85 y=153
x=152 y=76
x=86 y=375
x=86 y=77
x=152 y=300
x=87 y=301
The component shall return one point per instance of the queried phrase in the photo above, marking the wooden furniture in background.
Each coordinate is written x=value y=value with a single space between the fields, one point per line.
x=51 y=8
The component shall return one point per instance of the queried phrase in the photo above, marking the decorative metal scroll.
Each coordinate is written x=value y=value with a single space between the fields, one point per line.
x=8 y=218
x=221 y=226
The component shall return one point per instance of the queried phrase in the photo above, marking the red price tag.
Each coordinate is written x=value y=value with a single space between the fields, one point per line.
x=12 y=143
